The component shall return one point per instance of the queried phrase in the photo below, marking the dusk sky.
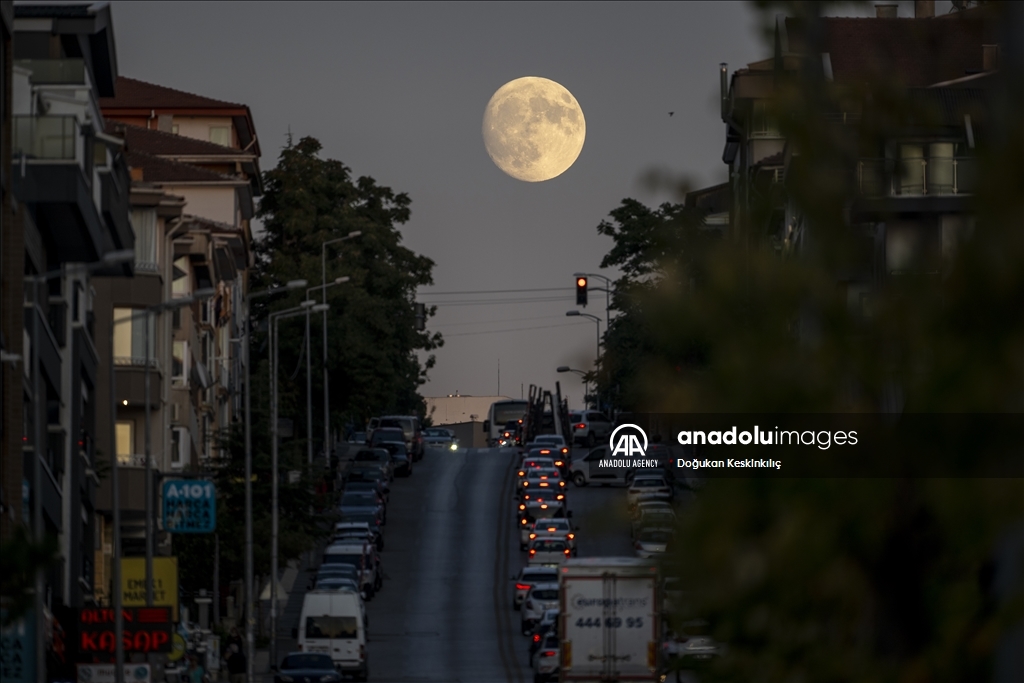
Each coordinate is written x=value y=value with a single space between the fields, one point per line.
x=397 y=92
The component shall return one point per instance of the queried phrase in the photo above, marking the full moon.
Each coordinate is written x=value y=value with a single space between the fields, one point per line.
x=533 y=129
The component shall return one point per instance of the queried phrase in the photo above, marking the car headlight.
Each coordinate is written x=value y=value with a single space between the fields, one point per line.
x=454 y=446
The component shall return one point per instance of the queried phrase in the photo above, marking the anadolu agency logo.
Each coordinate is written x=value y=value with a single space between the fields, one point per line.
x=626 y=441
x=628 y=446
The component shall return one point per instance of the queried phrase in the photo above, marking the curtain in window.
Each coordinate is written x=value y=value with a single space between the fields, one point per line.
x=144 y=222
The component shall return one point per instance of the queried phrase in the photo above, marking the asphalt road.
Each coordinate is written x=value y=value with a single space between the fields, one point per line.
x=451 y=549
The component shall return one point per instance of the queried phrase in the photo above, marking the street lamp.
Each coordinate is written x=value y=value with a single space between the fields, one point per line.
x=108 y=259
x=249 y=608
x=586 y=384
x=307 y=305
x=309 y=397
x=327 y=401
x=574 y=313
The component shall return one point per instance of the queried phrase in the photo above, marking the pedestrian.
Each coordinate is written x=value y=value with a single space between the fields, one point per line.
x=195 y=672
x=236 y=664
x=235 y=638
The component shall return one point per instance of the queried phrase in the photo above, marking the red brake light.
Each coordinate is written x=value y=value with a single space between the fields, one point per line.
x=522 y=474
x=561 y=483
x=558 y=463
x=533 y=536
x=522 y=586
x=526 y=483
x=565 y=450
x=536 y=637
x=548 y=653
x=544 y=451
x=560 y=496
x=571 y=536
x=566 y=551
x=581 y=426
x=522 y=507
x=551 y=528
x=533 y=551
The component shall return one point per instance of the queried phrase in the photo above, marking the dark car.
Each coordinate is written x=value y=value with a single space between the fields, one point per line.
x=306 y=667
x=369 y=472
x=362 y=503
x=412 y=433
x=378 y=456
x=368 y=485
x=382 y=434
x=401 y=463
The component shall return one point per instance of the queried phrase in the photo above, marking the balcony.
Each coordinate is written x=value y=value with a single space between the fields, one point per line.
x=51 y=174
x=935 y=177
x=131 y=381
x=55 y=71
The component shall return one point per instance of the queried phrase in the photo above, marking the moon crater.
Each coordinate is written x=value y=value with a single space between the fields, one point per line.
x=533 y=129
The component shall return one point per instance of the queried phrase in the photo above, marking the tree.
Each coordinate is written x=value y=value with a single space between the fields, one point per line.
x=372 y=336
x=848 y=579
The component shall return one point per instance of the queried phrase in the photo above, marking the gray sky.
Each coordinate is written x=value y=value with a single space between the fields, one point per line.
x=397 y=92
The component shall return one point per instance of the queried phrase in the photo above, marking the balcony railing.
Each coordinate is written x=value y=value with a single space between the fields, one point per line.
x=135 y=362
x=940 y=176
x=131 y=459
x=54 y=71
x=54 y=138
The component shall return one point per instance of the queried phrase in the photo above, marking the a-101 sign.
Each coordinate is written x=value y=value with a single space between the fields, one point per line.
x=190 y=506
x=145 y=629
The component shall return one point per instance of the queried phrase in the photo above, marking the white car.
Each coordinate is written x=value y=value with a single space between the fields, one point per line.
x=648 y=488
x=528 y=578
x=589 y=427
x=588 y=470
x=546 y=659
x=653 y=542
x=552 y=528
x=536 y=506
x=531 y=463
x=362 y=555
x=540 y=598
x=652 y=517
x=548 y=551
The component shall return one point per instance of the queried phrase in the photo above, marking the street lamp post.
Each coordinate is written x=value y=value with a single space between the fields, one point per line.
x=276 y=317
x=586 y=384
x=309 y=383
x=327 y=401
x=575 y=313
x=109 y=259
x=249 y=601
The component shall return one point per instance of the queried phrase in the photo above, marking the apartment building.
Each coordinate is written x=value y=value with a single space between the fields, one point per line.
x=910 y=192
x=70 y=222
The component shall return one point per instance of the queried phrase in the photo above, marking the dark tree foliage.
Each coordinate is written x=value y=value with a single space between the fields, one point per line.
x=372 y=337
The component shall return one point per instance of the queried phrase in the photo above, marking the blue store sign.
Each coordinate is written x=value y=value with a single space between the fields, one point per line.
x=18 y=650
x=190 y=506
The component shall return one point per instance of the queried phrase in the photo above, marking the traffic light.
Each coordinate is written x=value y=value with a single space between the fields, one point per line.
x=581 y=291
x=421 y=317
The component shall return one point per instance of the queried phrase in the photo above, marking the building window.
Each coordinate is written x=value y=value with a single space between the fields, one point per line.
x=179 y=361
x=180 y=450
x=220 y=135
x=181 y=280
x=130 y=337
x=125 y=441
x=144 y=222
x=763 y=123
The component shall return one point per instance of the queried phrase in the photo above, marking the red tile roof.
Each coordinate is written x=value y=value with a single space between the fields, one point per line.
x=149 y=141
x=135 y=94
x=914 y=52
x=158 y=170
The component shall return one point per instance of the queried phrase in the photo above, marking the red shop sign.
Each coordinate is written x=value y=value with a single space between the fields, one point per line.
x=145 y=629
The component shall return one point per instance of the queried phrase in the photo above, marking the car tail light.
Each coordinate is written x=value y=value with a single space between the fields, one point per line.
x=526 y=483
x=522 y=507
x=533 y=551
x=551 y=528
x=544 y=451
x=571 y=536
x=533 y=536
x=544 y=506
x=581 y=425
x=523 y=521
x=565 y=451
x=561 y=483
x=522 y=586
x=522 y=473
x=566 y=551
x=560 y=496
x=559 y=463
x=548 y=653
x=536 y=637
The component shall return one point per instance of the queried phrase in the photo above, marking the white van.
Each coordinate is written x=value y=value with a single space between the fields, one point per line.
x=332 y=623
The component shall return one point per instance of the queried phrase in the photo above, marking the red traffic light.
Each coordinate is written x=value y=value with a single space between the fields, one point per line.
x=581 y=291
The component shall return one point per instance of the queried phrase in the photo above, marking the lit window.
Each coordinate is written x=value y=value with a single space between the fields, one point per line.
x=220 y=135
x=125 y=440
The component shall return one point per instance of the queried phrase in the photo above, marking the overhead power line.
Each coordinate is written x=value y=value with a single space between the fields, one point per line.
x=498 y=291
x=510 y=329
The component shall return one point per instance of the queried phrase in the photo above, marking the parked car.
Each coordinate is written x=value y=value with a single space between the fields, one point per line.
x=377 y=455
x=401 y=463
x=306 y=666
x=412 y=434
x=589 y=427
x=331 y=624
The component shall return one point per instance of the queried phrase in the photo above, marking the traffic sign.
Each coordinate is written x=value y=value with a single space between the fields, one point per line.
x=190 y=506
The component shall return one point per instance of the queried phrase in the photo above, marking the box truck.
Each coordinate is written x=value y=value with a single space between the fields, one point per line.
x=610 y=620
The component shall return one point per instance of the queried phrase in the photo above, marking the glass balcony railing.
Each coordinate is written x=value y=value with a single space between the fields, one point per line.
x=937 y=176
x=45 y=137
x=54 y=71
